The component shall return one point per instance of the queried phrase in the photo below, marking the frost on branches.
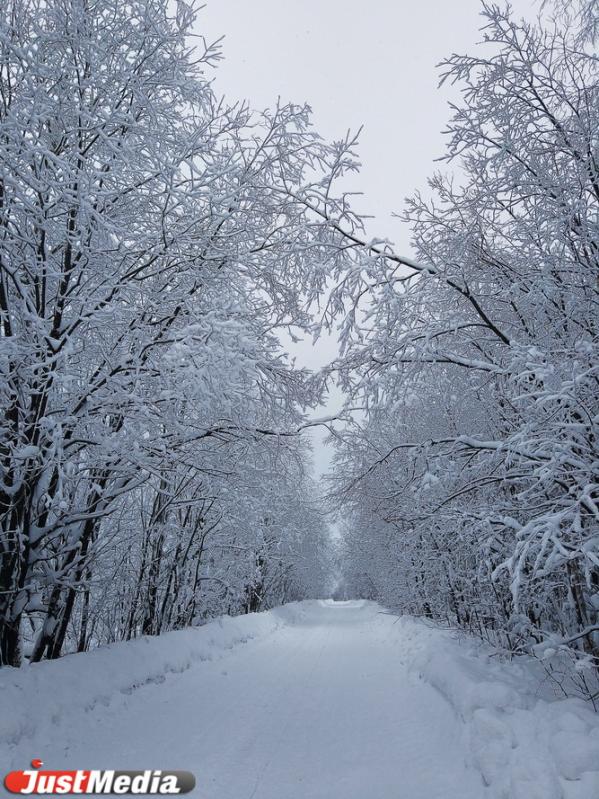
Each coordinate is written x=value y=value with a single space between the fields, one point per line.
x=472 y=483
x=154 y=245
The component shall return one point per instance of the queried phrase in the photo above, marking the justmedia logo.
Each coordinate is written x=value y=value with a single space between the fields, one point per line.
x=151 y=781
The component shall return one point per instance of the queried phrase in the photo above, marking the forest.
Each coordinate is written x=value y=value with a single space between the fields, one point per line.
x=161 y=251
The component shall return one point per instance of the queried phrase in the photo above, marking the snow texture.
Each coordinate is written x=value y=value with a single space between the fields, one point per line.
x=314 y=699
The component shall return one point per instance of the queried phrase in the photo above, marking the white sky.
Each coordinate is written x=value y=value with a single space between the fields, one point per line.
x=356 y=63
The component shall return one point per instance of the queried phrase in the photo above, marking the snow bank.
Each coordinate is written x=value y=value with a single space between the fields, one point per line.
x=35 y=698
x=525 y=745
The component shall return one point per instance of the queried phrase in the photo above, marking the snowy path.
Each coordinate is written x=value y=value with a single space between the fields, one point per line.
x=319 y=708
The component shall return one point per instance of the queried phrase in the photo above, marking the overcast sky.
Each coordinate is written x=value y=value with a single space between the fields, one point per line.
x=357 y=63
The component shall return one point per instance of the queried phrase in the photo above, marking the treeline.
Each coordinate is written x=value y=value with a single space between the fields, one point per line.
x=471 y=484
x=155 y=244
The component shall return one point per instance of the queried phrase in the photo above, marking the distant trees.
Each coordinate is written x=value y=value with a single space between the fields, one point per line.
x=472 y=483
x=154 y=242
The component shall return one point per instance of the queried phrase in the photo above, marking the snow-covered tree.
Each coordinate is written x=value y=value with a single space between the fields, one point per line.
x=474 y=478
x=154 y=243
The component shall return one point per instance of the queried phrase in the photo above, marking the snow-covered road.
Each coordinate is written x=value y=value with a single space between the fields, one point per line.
x=313 y=700
x=319 y=708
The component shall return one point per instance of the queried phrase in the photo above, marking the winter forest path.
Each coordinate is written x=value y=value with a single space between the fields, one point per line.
x=324 y=708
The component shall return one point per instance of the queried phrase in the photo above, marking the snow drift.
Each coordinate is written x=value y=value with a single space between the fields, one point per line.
x=526 y=743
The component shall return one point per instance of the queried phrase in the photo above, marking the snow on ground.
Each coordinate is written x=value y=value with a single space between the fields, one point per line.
x=525 y=743
x=315 y=700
